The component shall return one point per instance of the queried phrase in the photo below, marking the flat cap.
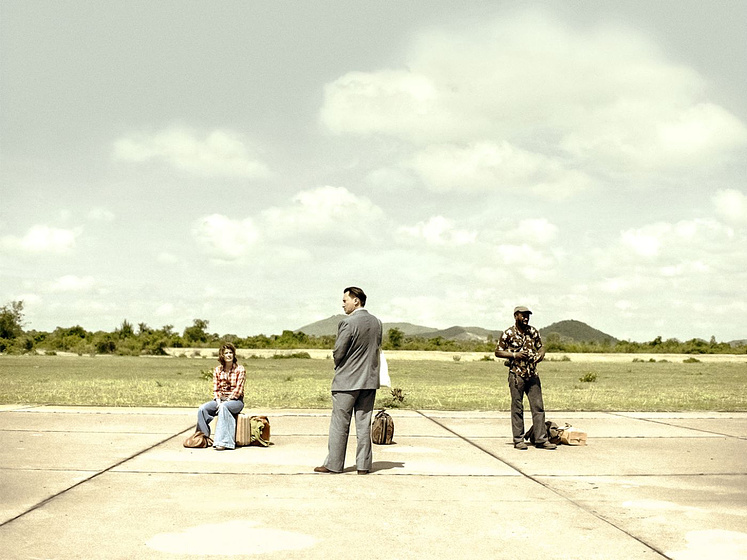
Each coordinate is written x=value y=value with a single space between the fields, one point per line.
x=521 y=309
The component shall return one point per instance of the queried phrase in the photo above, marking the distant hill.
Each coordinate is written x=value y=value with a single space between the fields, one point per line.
x=568 y=330
x=321 y=328
x=329 y=327
x=464 y=333
x=577 y=331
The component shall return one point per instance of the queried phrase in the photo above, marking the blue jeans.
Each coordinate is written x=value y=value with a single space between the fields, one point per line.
x=226 y=433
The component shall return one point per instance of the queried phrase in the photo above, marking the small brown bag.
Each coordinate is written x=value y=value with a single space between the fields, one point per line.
x=198 y=440
x=382 y=429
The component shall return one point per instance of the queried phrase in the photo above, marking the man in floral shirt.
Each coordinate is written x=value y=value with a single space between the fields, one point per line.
x=522 y=346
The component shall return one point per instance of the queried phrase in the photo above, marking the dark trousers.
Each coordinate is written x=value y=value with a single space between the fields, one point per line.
x=532 y=388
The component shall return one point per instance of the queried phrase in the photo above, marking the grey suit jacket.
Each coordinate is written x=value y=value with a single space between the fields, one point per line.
x=356 y=352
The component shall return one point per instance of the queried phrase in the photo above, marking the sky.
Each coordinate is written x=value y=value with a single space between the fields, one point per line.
x=243 y=162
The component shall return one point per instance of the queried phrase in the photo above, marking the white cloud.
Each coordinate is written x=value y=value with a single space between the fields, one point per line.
x=221 y=153
x=538 y=230
x=645 y=241
x=167 y=258
x=389 y=101
x=331 y=213
x=439 y=231
x=165 y=310
x=531 y=263
x=42 y=239
x=686 y=238
x=101 y=215
x=72 y=283
x=731 y=205
x=225 y=238
x=527 y=101
x=483 y=166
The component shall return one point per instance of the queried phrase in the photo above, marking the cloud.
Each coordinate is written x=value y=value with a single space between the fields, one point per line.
x=693 y=265
x=101 y=215
x=221 y=153
x=540 y=230
x=439 y=231
x=528 y=101
x=731 y=205
x=679 y=240
x=483 y=166
x=72 y=283
x=325 y=213
x=42 y=239
x=225 y=238
x=645 y=241
x=389 y=101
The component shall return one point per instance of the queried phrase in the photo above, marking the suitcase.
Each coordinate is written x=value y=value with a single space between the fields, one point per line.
x=382 y=429
x=244 y=429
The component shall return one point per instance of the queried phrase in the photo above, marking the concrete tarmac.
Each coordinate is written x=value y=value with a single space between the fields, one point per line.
x=99 y=483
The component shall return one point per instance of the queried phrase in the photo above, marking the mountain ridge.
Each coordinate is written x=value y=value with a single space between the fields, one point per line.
x=567 y=330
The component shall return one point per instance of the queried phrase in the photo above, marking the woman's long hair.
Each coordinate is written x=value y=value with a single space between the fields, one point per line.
x=222 y=358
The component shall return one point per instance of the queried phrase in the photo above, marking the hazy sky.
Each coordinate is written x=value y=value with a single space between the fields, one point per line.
x=243 y=162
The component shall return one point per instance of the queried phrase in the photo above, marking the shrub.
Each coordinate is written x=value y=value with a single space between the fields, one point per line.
x=691 y=361
x=589 y=377
x=487 y=358
x=396 y=400
x=563 y=358
x=456 y=357
x=298 y=355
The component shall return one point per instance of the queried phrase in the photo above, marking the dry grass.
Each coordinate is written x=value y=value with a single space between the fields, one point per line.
x=304 y=383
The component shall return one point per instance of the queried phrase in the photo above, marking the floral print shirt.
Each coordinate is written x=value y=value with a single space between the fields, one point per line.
x=513 y=340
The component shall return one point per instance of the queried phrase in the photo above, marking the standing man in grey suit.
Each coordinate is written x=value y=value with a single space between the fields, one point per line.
x=354 y=386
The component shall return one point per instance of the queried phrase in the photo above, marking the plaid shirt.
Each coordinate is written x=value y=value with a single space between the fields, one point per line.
x=513 y=340
x=229 y=385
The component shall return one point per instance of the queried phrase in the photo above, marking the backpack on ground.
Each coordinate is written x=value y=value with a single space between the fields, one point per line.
x=382 y=429
x=553 y=433
x=260 y=431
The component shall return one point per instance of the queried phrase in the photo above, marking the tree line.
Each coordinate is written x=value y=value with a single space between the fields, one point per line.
x=131 y=340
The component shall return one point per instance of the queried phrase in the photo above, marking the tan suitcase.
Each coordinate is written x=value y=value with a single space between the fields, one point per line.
x=243 y=435
x=243 y=430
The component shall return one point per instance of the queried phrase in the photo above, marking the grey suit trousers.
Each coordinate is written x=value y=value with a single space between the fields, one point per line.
x=343 y=405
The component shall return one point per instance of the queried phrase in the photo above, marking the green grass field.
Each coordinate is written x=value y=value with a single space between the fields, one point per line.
x=440 y=385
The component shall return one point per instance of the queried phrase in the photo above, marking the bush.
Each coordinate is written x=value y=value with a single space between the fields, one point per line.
x=396 y=400
x=691 y=361
x=563 y=358
x=298 y=355
x=589 y=377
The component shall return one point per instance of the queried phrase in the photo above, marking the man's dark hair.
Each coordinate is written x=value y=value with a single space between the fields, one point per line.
x=357 y=293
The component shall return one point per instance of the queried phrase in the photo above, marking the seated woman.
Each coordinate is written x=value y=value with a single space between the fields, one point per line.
x=228 y=399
